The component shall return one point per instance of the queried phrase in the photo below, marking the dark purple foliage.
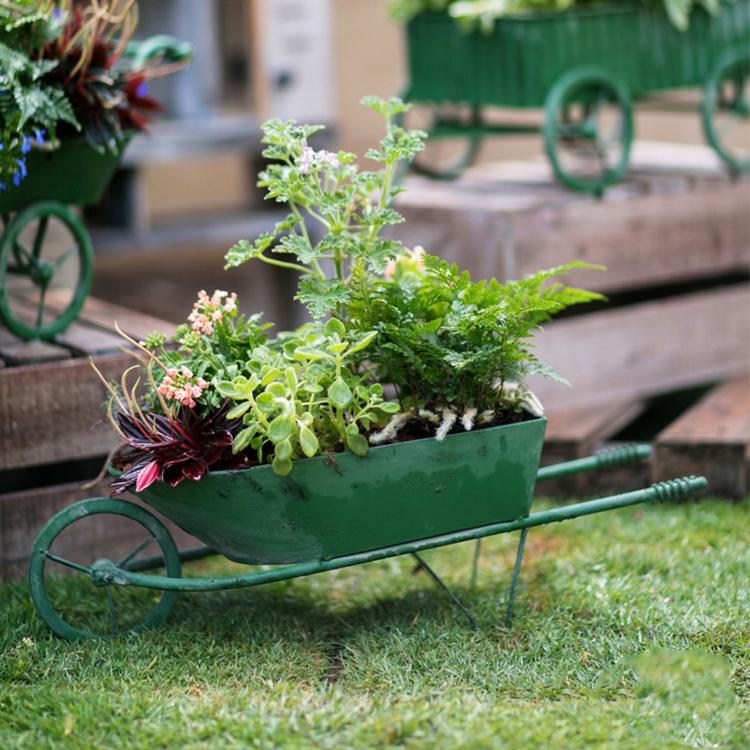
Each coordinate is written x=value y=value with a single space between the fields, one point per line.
x=161 y=448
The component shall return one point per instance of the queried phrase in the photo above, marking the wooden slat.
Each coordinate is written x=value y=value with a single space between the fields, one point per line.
x=51 y=413
x=641 y=350
x=22 y=515
x=104 y=314
x=573 y=433
x=659 y=226
x=32 y=352
x=712 y=438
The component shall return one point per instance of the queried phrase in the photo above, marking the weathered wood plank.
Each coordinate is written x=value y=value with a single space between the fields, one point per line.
x=105 y=314
x=573 y=433
x=641 y=350
x=23 y=514
x=713 y=439
x=52 y=413
x=659 y=226
x=20 y=352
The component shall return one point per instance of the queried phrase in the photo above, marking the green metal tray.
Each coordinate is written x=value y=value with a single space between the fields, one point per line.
x=331 y=507
x=73 y=174
x=519 y=61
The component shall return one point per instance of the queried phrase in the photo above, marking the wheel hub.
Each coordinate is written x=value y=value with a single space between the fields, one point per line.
x=103 y=572
x=42 y=272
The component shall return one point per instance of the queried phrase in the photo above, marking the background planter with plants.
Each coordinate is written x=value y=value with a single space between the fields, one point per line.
x=397 y=420
x=74 y=92
x=586 y=65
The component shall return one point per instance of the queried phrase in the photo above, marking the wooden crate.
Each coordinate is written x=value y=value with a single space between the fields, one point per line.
x=51 y=416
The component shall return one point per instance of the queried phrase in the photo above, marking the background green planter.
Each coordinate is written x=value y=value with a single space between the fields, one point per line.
x=74 y=174
x=331 y=507
x=622 y=51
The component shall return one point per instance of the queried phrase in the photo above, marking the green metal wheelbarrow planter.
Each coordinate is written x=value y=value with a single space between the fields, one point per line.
x=75 y=174
x=585 y=66
x=332 y=512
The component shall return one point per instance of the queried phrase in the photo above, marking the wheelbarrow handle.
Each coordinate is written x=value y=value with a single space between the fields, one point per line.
x=167 y=48
x=606 y=459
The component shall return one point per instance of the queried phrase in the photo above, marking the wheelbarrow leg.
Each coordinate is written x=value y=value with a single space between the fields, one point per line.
x=516 y=574
x=475 y=563
x=442 y=585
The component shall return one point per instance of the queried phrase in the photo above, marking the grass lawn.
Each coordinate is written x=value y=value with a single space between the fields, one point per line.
x=632 y=630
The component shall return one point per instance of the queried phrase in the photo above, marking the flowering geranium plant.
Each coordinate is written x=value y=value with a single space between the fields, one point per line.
x=64 y=70
x=397 y=337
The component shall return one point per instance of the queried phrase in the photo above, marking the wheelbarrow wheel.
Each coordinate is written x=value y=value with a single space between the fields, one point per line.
x=89 y=603
x=588 y=129
x=453 y=138
x=725 y=110
x=44 y=281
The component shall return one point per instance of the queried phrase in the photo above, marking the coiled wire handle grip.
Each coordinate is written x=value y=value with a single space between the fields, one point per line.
x=606 y=459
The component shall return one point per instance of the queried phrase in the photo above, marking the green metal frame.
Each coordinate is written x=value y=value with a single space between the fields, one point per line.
x=129 y=571
x=630 y=51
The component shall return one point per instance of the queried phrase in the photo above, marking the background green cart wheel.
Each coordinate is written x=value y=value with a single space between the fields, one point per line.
x=454 y=138
x=588 y=129
x=31 y=266
x=725 y=111
x=88 y=604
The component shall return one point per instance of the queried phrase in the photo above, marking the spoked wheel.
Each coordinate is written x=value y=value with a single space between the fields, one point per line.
x=726 y=109
x=45 y=270
x=588 y=130
x=89 y=603
x=453 y=138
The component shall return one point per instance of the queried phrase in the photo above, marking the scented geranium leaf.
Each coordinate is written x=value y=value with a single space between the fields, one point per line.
x=379 y=253
x=298 y=246
x=308 y=441
x=340 y=394
x=244 y=250
x=380 y=217
x=321 y=296
x=385 y=107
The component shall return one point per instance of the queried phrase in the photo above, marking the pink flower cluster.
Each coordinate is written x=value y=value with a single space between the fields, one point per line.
x=210 y=310
x=311 y=158
x=179 y=385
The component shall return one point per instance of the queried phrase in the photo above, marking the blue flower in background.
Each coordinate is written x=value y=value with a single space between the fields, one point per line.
x=142 y=90
x=25 y=144
x=3 y=187
x=39 y=135
x=22 y=167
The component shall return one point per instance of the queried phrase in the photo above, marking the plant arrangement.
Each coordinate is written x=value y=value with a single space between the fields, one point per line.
x=486 y=12
x=65 y=70
x=400 y=343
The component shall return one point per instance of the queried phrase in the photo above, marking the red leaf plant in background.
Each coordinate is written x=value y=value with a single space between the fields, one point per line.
x=107 y=92
x=180 y=443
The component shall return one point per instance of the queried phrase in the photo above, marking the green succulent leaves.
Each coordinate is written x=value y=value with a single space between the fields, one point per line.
x=300 y=396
